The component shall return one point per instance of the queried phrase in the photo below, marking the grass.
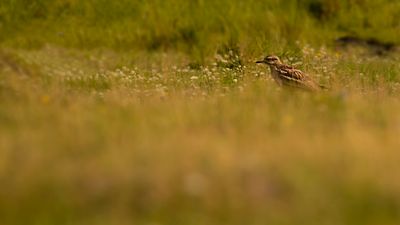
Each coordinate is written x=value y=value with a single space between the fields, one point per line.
x=117 y=117
x=163 y=143
x=196 y=27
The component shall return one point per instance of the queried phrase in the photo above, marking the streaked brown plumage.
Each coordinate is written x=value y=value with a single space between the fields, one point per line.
x=286 y=75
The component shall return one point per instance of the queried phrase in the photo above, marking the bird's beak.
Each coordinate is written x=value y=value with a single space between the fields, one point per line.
x=261 y=61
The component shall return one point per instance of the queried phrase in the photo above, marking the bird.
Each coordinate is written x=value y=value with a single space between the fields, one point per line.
x=288 y=76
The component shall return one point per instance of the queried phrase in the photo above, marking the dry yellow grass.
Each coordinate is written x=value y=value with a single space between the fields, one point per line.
x=82 y=142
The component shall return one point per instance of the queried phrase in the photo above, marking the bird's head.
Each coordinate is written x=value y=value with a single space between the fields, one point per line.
x=270 y=60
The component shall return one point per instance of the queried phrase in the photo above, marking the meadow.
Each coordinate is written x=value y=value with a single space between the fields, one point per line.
x=154 y=112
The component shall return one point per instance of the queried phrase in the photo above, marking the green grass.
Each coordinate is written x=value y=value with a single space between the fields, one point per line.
x=154 y=112
x=194 y=27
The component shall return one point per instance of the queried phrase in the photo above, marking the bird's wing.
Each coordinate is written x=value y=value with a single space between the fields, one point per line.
x=295 y=77
x=290 y=73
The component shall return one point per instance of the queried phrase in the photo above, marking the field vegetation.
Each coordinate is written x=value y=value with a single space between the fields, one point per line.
x=154 y=112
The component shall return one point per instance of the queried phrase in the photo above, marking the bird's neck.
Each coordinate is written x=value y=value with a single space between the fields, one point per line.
x=273 y=66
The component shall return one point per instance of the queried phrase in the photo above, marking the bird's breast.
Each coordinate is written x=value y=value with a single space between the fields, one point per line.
x=275 y=75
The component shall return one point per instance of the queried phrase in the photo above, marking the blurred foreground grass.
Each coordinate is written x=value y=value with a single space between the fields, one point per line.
x=86 y=141
x=153 y=112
